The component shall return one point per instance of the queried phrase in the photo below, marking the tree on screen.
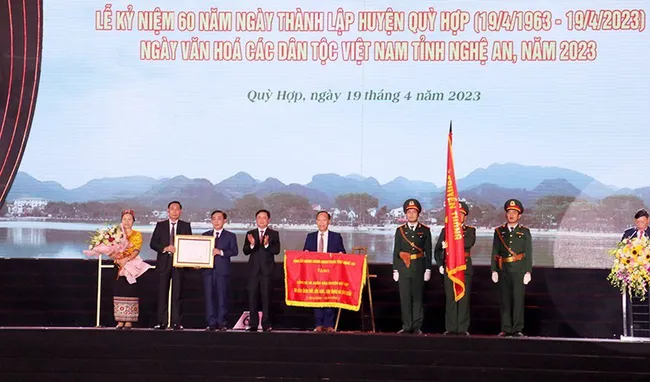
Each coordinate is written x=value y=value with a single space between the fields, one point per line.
x=619 y=210
x=290 y=208
x=245 y=208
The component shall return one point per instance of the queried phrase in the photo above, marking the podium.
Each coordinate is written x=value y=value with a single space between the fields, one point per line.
x=362 y=251
x=636 y=318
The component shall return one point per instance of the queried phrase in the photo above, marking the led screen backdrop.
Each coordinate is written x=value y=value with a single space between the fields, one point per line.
x=343 y=106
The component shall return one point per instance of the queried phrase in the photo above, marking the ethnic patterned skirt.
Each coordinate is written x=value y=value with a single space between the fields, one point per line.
x=126 y=305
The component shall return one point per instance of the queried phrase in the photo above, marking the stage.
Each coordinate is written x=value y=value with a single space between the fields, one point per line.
x=89 y=354
x=48 y=313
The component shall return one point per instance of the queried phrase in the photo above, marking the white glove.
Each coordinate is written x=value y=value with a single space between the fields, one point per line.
x=395 y=275
x=527 y=278
x=444 y=244
x=427 y=275
x=495 y=277
x=441 y=270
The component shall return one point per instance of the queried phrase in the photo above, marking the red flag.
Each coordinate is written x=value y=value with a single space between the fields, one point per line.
x=455 y=259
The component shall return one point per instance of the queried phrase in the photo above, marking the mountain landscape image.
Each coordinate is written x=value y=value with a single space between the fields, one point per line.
x=491 y=185
x=554 y=198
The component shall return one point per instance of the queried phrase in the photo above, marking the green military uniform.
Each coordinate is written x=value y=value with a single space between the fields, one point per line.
x=415 y=246
x=457 y=312
x=512 y=258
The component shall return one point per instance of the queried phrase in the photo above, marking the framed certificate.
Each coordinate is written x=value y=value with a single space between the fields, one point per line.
x=193 y=251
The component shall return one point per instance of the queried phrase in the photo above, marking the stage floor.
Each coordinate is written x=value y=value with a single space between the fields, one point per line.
x=103 y=354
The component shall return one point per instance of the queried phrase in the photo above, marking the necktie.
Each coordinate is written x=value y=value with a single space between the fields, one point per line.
x=216 y=239
x=172 y=234
x=512 y=229
x=641 y=232
x=262 y=237
x=321 y=243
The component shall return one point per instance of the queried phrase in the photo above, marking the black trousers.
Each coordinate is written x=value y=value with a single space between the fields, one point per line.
x=259 y=286
x=166 y=274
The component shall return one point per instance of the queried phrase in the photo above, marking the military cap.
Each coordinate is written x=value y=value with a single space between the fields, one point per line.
x=462 y=206
x=514 y=204
x=412 y=203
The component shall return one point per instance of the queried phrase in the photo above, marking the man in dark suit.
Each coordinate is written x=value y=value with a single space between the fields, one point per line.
x=324 y=241
x=261 y=245
x=641 y=226
x=215 y=280
x=162 y=241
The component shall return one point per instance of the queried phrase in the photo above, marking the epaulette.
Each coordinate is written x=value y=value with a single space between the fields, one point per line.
x=470 y=226
x=524 y=227
x=425 y=226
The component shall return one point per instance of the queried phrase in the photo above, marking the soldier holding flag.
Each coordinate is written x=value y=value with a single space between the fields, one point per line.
x=412 y=266
x=457 y=312
x=512 y=263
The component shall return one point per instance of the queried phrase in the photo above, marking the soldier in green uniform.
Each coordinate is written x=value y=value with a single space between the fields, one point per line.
x=412 y=266
x=512 y=263
x=457 y=312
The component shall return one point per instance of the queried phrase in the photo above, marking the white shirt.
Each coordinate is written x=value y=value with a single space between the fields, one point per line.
x=412 y=226
x=512 y=227
x=260 y=232
x=324 y=236
x=174 y=227
x=640 y=233
x=215 y=235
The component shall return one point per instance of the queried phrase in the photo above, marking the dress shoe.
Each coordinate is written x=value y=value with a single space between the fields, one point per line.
x=177 y=327
x=330 y=330
x=119 y=327
x=417 y=332
x=223 y=328
x=251 y=329
x=404 y=331
x=518 y=334
x=319 y=329
x=160 y=327
x=447 y=333
x=466 y=334
x=267 y=329
x=503 y=334
x=128 y=326
x=211 y=328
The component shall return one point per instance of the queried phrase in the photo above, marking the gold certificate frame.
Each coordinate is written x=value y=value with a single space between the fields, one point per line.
x=193 y=251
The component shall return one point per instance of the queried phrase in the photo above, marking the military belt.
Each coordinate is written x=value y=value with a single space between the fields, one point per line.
x=511 y=259
x=407 y=257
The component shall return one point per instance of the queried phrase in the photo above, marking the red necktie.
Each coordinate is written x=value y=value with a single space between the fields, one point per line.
x=262 y=237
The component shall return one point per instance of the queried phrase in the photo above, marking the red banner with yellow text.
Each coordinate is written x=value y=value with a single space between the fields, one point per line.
x=455 y=259
x=324 y=280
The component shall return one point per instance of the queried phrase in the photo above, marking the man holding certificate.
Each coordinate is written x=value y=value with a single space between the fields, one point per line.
x=215 y=280
x=324 y=241
x=162 y=241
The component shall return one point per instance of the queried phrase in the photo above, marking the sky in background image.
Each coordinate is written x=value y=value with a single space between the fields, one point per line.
x=105 y=113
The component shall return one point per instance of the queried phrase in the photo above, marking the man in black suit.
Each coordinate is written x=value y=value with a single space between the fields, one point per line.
x=261 y=245
x=215 y=280
x=162 y=241
x=641 y=226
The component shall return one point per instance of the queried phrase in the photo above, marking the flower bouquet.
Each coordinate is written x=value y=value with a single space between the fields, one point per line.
x=109 y=241
x=631 y=269
x=112 y=241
